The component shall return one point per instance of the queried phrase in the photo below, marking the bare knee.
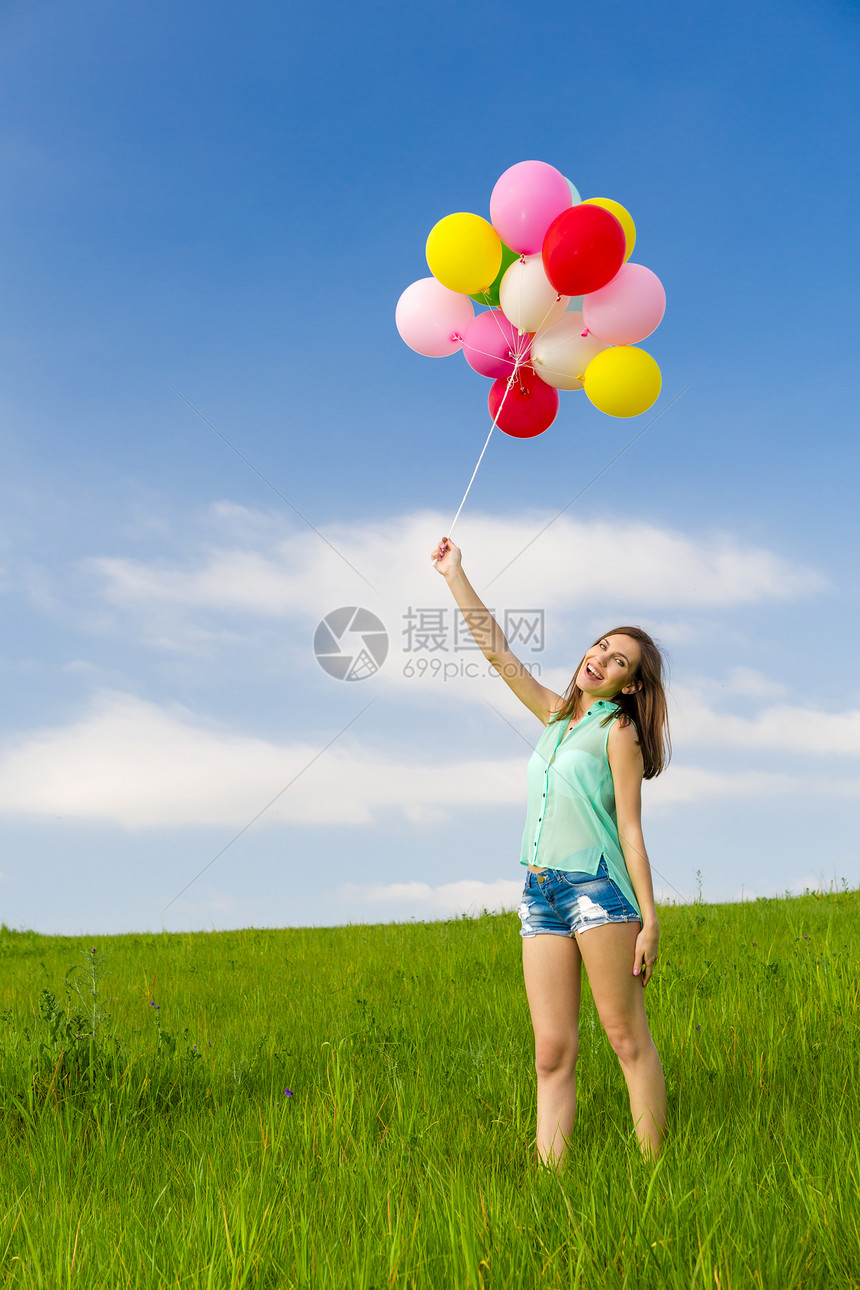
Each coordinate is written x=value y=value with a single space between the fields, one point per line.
x=556 y=1054
x=627 y=1040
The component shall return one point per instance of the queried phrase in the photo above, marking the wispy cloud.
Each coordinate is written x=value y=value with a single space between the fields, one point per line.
x=421 y=899
x=295 y=575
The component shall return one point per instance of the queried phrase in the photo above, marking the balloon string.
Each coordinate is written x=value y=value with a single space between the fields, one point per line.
x=521 y=339
x=508 y=388
x=519 y=362
x=548 y=312
x=514 y=352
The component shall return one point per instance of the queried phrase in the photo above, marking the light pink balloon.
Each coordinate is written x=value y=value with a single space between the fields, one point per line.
x=560 y=353
x=525 y=201
x=432 y=319
x=628 y=308
x=493 y=346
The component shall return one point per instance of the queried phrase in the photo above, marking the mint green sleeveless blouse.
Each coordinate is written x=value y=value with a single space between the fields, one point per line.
x=571 y=818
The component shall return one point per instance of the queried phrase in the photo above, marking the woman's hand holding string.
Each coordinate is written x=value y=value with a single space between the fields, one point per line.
x=446 y=557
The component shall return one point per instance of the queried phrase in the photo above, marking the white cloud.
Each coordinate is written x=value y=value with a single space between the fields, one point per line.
x=683 y=784
x=420 y=899
x=206 y=906
x=675 y=631
x=140 y=766
x=247 y=586
x=265 y=571
x=783 y=728
x=225 y=580
x=753 y=684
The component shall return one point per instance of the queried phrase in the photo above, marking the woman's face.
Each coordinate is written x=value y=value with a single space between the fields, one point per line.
x=610 y=666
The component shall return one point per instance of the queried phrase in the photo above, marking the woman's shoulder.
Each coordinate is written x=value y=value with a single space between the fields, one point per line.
x=624 y=721
x=623 y=734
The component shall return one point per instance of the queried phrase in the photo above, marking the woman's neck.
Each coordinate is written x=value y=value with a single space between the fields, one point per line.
x=584 y=703
x=581 y=706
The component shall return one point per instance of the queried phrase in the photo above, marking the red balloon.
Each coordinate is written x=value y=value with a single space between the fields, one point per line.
x=529 y=408
x=583 y=250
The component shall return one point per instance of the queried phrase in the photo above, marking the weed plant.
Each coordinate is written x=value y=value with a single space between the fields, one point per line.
x=354 y=1108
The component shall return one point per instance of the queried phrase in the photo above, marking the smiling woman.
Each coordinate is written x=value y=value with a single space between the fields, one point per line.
x=607 y=663
x=588 y=895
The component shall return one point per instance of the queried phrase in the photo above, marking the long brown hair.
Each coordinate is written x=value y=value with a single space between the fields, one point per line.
x=646 y=707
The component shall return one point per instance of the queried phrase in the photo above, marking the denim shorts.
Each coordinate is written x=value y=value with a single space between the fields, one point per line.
x=564 y=904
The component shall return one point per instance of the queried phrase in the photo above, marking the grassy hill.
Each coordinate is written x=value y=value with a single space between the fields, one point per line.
x=354 y=1107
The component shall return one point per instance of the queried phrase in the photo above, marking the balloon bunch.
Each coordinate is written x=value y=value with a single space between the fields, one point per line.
x=566 y=307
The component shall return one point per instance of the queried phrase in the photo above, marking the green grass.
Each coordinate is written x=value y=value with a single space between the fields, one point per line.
x=146 y=1146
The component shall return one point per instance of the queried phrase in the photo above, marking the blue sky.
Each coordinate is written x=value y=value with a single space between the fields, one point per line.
x=230 y=203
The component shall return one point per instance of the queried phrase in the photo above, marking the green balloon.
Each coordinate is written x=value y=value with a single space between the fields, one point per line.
x=491 y=296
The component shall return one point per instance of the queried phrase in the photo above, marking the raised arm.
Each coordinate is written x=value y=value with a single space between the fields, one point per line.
x=489 y=636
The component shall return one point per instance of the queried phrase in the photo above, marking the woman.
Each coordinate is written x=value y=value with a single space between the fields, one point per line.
x=588 y=895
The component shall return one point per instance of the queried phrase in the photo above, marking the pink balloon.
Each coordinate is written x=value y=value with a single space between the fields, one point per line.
x=628 y=308
x=525 y=201
x=432 y=319
x=493 y=346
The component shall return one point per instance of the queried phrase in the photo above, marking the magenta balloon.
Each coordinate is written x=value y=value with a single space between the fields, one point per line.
x=525 y=201
x=493 y=346
x=628 y=308
x=432 y=319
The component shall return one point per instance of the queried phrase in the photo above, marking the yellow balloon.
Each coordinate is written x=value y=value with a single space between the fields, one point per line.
x=625 y=219
x=464 y=253
x=623 y=381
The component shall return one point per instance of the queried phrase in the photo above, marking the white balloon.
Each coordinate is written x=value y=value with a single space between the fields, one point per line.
x=527 y=298
x=560 y=353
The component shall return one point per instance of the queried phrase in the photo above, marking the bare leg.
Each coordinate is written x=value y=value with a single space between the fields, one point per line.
x=552 y=969
x=607 y=952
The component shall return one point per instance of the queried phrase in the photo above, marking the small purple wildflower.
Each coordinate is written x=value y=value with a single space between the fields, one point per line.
x=153 y=1004
x=698 y=1027
x=288 y=1092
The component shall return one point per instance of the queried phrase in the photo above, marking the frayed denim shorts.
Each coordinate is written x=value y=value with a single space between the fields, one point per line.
x=557 y=903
